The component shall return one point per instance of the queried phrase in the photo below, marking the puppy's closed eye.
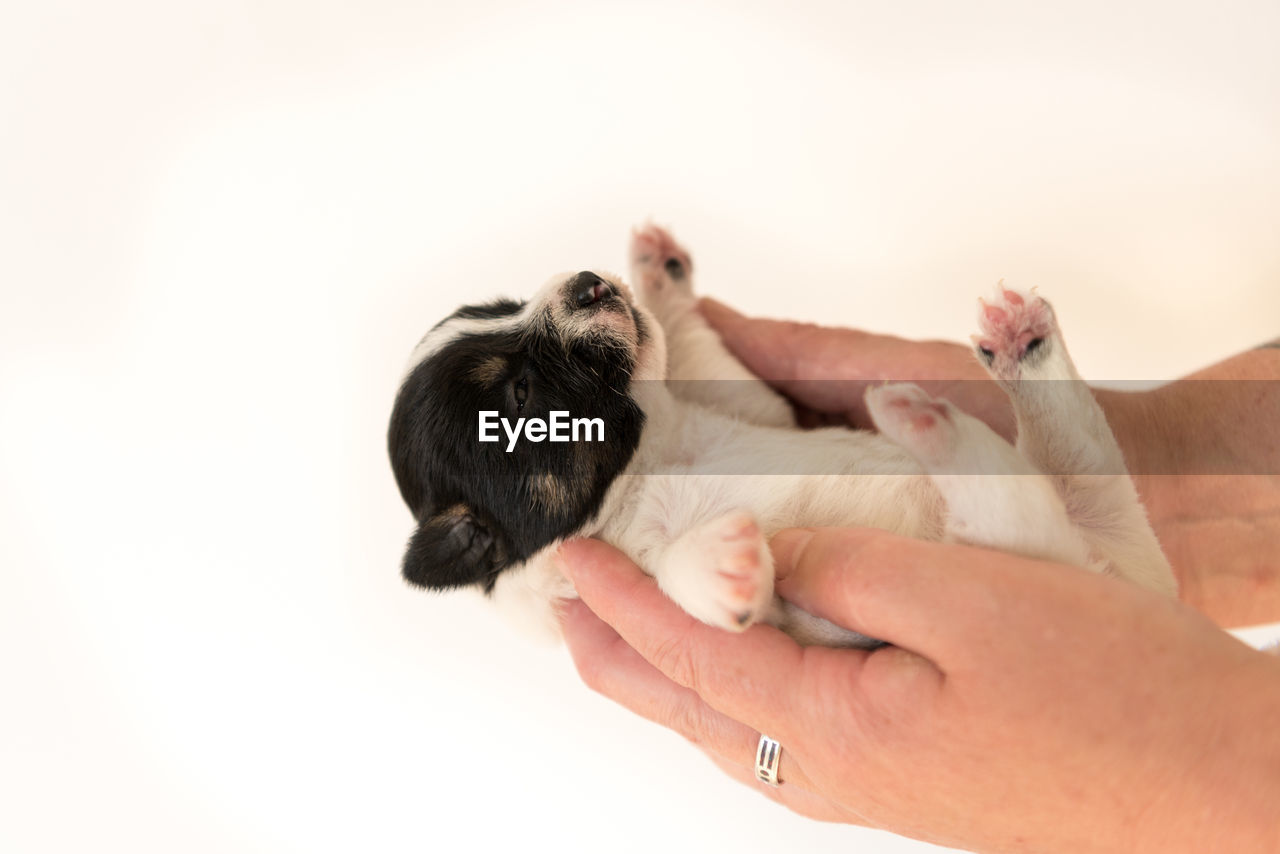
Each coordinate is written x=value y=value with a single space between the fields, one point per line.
x=520 y=390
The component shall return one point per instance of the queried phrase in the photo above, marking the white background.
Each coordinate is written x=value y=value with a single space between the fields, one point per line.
x=224 y=225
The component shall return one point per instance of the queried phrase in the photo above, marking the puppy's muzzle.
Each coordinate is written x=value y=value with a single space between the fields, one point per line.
x=588 y=291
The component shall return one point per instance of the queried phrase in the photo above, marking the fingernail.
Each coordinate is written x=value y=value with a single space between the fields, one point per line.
x=787 y=546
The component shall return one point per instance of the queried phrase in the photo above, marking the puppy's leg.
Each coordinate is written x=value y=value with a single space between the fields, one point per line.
x=699 y=367
x=1063 y=432
x=994 y=497
x=720 y=571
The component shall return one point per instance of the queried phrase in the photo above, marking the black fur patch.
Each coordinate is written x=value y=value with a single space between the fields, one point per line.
x=479 y=508
x=488 y=310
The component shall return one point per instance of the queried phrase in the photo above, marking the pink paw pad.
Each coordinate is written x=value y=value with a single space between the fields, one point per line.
x=655 y=252
x=906 y=414
x=738 y=565
x=920 y=414
x=1012 y=326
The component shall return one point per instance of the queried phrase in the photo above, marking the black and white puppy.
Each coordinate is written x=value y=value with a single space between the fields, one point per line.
x=592 y=411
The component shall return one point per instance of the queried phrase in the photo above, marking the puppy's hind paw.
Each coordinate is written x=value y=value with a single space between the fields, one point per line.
x=921 y=425
x=1017 y=332
x=660 y=267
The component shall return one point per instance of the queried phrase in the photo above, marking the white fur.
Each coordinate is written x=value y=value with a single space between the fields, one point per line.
x=684 y=513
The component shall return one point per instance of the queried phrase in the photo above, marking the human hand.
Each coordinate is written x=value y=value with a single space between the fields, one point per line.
x=1202 y=451
x=825 y=370
x=1022 y=706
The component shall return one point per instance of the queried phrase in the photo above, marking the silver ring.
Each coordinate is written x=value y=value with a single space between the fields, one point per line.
x=768 y=754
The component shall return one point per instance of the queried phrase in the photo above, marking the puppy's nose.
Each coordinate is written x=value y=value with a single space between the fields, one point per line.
x=589 y=289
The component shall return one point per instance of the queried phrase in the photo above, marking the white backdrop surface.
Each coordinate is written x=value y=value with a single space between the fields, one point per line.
x=224 y=225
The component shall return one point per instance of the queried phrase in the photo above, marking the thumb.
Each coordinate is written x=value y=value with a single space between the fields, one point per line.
x=929 y=598
x=822 y=368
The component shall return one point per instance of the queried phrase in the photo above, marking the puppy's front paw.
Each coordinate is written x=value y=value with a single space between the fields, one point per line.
x=660 y=267
x=721 y=572
x=1018 y=332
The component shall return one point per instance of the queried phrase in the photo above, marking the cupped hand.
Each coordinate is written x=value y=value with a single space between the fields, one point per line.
x=1021 y=705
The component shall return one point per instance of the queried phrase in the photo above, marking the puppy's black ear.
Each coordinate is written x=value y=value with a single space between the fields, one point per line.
x=453 y=548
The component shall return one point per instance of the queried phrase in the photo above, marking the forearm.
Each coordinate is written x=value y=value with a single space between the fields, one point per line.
x=1204 y=453
x=1224 y=419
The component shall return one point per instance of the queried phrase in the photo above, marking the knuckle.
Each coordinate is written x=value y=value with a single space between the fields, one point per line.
x=689 y=719
x=671 y=656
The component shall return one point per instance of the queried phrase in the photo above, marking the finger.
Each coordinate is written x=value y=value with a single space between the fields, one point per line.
x=829 y=369
x=930 y=598
x=800 y=801
x=610 y=666
x=821 y=368
x=751 y=677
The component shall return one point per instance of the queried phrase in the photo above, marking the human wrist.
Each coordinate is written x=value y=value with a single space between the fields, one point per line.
x=1231 y=802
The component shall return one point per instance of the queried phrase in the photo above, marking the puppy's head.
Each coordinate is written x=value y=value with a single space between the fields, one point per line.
x=576 y=347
